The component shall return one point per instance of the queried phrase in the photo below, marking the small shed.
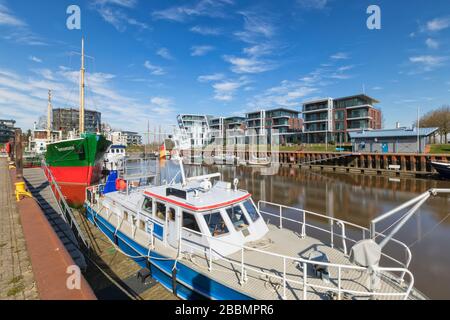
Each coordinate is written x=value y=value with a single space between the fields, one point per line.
x=401 y=140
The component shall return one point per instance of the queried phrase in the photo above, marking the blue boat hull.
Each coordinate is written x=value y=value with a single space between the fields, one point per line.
x=190 y=284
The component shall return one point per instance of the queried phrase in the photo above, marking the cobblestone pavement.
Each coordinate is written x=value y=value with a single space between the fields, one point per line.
x=16 y=275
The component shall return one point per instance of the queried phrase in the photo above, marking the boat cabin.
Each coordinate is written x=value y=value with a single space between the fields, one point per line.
x=199 y=210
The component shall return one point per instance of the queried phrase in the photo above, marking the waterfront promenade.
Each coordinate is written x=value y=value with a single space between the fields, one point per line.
x=16 y=276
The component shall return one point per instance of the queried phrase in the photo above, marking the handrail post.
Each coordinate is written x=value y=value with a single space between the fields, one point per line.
x=339 y=283
x=210 y=259
x=305 y=277
x=284 y=278
x=242 y=280
x=281 y=217
x=331 y=222
x=304 y=225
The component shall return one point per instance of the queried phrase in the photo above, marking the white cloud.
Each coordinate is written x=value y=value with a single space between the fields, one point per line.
x=45 y=73
x=17 y=30
x=155 y=70
x=8 y=19
x=438 y=24
x=164 y=53
x=211 y=77
x=162 y=106
x=312 y=4
x=28 y=95
x=248 y=65
x=226 y=89
x=340 y=56
x=206 y=8
x=206 y=31
x=256 y=26
x=428 y=62
x=200 y=50
x=432 y=44
x=117 y=17
x=35 y=59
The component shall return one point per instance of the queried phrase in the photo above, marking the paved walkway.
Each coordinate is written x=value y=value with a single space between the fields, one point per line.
x=16 y=275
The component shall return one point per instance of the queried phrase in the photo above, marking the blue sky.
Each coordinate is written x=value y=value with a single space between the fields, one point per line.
x=152 y=60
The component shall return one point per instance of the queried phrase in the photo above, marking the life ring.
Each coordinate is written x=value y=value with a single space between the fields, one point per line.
x=121 y=185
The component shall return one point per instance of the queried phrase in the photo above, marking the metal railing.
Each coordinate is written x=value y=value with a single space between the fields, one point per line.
x=241 y=266
x=331 y=221
x=64 y=208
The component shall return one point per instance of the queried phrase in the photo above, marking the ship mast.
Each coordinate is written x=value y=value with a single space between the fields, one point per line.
x=82 y=86
x=49 y=115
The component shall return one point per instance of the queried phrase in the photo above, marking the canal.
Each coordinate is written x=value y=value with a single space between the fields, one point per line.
x=358 y=199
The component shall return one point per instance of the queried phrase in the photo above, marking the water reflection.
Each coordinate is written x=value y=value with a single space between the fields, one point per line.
x=358 y=199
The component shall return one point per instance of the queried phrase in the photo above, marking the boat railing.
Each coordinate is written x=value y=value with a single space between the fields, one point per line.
x=306 y=220
x=336 y=271
x=65 y=209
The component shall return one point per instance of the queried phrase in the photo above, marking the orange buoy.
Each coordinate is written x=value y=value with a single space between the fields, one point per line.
x=121 y=185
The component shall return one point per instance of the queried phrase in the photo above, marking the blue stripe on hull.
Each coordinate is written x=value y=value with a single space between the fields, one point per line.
x=191 y=285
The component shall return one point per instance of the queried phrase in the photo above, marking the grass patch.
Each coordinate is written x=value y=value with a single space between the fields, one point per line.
x=15 y=280
x=15 y=290
x=440 y=148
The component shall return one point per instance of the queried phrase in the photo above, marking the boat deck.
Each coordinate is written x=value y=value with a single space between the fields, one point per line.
x=265 y=272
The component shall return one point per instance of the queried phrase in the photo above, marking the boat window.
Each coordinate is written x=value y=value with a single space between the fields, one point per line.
x=237 y=217
x=125 y=215
x=172 y=214
x=216 y=224
x=147 y=206
x=142 y=224
x=161 y=211
x=251 y=210
x=189 y=222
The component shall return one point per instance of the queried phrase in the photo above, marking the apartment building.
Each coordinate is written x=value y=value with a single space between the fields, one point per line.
x=125 y=138
x=194 y=130
x=223 y=127
x=332 y=119
x=286 y=122
x=68 y=119
x=7 y=130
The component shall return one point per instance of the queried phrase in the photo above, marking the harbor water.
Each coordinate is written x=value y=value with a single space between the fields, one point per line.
x=358 y=199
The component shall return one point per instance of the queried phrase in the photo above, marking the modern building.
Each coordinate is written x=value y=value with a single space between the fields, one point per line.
x=225 y=127
x=7 y=130
x=329 y=119
x=125 y=138
x=400 y=140
x=282 y=121
x=194 y=130
x=68 y=119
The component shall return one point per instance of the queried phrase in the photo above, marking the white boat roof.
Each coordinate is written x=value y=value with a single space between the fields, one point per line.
x=217 y=197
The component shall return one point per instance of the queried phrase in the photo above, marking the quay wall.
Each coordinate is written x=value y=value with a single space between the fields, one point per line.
x=49 y=258
x=371 y=163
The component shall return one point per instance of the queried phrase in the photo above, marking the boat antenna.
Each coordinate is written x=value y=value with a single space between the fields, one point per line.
x=82 y=87
x=49 y=115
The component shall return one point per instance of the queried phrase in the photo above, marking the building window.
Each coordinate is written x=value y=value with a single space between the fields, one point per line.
x=189 y=222
x=216 y=224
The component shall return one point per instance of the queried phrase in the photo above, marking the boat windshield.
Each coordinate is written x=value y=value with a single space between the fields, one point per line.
x=216 y=224
x=251 y=210
x=237 y=217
